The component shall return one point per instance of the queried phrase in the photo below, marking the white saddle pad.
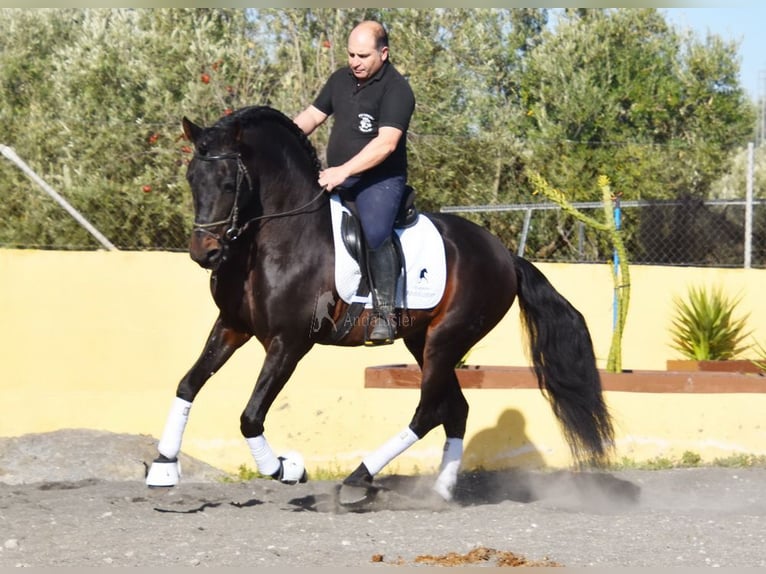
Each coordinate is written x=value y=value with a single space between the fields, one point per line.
x=424 y=257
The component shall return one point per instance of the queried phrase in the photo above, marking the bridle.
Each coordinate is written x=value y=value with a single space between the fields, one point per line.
x=234 y=230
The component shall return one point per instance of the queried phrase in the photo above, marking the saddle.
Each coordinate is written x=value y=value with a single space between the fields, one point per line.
x=353 y=240
x=351 y=228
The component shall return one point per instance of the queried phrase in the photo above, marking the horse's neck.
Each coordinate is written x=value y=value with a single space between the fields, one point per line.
x=297 y=215
x=289 y=190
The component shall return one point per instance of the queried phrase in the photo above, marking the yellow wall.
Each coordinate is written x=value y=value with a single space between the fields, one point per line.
x=99 y=340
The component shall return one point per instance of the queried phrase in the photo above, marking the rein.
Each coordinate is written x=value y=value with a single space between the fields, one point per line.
x=234 y=230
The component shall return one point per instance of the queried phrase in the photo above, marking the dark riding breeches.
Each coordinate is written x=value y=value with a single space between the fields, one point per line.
x=377 y=200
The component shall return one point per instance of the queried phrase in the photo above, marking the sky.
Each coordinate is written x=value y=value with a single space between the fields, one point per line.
x=746 y=25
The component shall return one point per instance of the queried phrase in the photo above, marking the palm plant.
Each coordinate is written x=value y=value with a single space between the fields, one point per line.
x=704 y=327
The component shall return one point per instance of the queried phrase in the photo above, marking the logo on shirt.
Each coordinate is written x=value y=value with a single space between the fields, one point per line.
x=365 y=123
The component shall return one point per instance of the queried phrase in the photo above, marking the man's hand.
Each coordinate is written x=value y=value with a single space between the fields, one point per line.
x=332 y=177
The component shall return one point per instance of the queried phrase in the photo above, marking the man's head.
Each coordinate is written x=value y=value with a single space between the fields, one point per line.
x=367 y=49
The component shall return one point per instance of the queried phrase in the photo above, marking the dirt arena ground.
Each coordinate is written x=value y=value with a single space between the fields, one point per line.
x=77 y=498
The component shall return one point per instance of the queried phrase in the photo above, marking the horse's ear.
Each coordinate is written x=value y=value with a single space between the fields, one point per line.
x=191 y=130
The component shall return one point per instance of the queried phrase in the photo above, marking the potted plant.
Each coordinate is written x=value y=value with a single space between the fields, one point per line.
x=707 y=333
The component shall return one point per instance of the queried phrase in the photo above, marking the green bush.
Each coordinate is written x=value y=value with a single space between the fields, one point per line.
x=705 y=328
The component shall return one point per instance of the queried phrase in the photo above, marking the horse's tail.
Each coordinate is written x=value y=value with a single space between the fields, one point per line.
x=562 y=356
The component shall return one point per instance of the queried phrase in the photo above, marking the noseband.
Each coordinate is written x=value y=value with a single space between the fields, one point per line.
x=234 y=230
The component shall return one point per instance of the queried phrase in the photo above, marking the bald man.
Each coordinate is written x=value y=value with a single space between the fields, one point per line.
x=371 y=103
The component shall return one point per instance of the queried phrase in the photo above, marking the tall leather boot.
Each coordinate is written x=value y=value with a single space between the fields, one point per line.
x=383 y=267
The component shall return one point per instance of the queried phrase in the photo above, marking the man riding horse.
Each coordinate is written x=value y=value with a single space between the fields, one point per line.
x=367 y=155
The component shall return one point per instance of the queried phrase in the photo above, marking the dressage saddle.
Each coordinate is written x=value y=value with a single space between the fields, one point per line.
x=353 y=240
x=351 y=229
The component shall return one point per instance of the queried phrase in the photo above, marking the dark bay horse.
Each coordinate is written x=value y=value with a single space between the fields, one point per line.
x=263 y=226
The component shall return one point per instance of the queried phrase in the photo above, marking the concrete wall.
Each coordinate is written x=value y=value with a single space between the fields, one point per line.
x=99 y=340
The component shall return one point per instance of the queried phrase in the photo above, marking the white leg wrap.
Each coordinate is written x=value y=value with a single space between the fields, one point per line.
x=170 y=443
x=447 y=479
x=393 y=448
x=265 y=459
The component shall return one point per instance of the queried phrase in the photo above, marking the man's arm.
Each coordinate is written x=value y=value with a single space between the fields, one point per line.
x=309 y=119
x=376 y=150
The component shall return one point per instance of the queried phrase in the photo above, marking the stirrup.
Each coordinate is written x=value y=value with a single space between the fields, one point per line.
x=382 y=333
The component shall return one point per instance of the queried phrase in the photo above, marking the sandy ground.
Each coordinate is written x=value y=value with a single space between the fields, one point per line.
x=77 y=498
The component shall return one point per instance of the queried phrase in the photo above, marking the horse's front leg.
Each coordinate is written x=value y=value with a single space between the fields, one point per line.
x=279 y=364
x=220 y=346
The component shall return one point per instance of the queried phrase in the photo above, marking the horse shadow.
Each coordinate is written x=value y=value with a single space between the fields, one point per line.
x=527 y=481
x=504 y=445
x=568 y=491
x=521 y=473
x=591 y=491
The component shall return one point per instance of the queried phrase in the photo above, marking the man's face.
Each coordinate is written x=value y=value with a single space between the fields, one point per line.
x=364 y=58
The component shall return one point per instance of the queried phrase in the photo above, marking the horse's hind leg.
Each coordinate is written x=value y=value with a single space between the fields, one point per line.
x=220 y=345
x=454 y=423
x=441 y=402
x=454 y=417
x=361 y=479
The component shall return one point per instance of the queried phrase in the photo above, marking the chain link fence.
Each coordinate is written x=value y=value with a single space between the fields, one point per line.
x=715 y=233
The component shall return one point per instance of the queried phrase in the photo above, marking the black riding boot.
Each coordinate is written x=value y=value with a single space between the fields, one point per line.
x=383 y=267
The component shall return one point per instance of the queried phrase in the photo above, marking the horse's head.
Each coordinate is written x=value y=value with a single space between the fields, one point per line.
x=220 y=183
x=254 y=147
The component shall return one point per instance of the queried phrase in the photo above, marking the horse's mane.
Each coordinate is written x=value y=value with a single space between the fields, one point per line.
x=253 y=114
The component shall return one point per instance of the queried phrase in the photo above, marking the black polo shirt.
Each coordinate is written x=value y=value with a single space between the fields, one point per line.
x=359 y=110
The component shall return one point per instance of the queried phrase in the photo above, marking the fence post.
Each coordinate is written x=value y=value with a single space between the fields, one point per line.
x=616 y=258
x=12 y=156
x=524 y=232
x=749 y=205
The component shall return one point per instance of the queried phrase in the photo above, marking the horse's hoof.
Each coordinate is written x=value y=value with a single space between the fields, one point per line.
x=357 y=488
x=445 y=487
x=292 y=469
x=360 y=477
x=163 y=472
x=353 y=495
